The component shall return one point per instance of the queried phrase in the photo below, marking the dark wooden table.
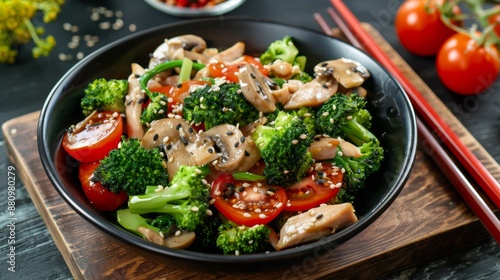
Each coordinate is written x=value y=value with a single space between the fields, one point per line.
x=26 y=84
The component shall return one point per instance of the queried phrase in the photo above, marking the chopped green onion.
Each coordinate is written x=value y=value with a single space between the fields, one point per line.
x=247 y=176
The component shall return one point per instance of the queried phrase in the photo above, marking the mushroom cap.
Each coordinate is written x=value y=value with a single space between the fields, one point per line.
x=229 y=143
x=349 y=73
x=256 y=88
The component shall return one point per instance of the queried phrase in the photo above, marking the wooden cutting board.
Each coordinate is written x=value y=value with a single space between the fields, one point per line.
x=427 y=220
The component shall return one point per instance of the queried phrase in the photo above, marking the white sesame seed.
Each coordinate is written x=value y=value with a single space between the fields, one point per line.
x=246 y=215
x=262 y=216
x=132 y=27
x=195 y=209
x=177 y=233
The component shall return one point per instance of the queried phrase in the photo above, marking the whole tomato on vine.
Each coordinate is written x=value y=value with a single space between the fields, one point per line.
x=419 y=26
x=465 y=67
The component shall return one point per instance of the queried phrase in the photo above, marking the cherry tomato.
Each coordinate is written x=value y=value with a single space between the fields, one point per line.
x=247 y=203
x=100 y=197
x=178 y=93
x=93 y=138
x=219 y=69
x=320 y=186
x=495 y=19
x=466 y=68
x=420 y=28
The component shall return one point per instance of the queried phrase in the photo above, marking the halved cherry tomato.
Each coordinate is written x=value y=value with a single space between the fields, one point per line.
x=93 y=138
x=178 y=93
x=247 y=203
x=102 y=198
x=219 y=69
x=320 y=186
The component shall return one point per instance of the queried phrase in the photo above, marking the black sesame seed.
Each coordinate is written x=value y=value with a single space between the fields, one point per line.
x=319 y=216
x=179 y=85
x=236 y=144
x=191 y=130
x=210 y=150
x=252 y=75
x=155 y=137
x=169 y=147
x=229 y=133
x=242 y=139
x=247 y=153
x=129 y=102
x=240 y=189
x=178 y=127
x=324 y=64
x=137 y=75
x=140 y=101
x=325 y=86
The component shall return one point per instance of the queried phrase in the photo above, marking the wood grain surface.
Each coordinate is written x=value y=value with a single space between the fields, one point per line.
x=427 y=220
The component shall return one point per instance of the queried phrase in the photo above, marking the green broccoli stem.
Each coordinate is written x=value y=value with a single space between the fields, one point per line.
x=143 y=80
x=357 y=133
x=132 y=222
x=147 y=203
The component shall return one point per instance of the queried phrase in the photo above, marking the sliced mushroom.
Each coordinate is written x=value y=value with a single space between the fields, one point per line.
x=174 y=48
x=349 y=73
x=230 y=144
x=361 y=91
x=173 y=135
x=230 y=54
x=313 y=93
x=315 y=224
x=182 y=241
x=256 y=88
x=133 y=102
x=252 y=156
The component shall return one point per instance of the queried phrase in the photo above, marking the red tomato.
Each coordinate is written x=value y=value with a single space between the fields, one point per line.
x=495 y=19
x=420 y=28
x=319 y=187
x=466 y=68
x=98 y=134
x=219 y=69
x=102 y=198
x=178 y=93
x=247 y=203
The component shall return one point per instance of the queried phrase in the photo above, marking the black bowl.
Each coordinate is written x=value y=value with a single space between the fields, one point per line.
x=394 y=123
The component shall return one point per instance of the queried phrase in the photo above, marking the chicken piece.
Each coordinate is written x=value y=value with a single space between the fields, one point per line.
x=133 y=101
x=315 y=224
x=313 y=93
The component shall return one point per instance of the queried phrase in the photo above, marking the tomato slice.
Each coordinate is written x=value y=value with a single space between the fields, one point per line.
x=100 y=197
x=247 y=203
x=219 y=69
x=178 y=93
x=320 y=186
x=93 y=138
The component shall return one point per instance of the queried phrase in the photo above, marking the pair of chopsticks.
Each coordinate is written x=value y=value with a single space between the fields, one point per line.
x=350 y=26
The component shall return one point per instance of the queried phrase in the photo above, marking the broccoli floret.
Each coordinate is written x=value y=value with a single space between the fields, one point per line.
x=219 y=104
x=283 y=49
x=207 y=233
x=235 y=239
x=131 y=167
x=309 y=118
x=164 y=222
x=104 y=94
x=283 y=145
x=357 y=169
x=186 y=198
x=156 y=109
x=345 y=116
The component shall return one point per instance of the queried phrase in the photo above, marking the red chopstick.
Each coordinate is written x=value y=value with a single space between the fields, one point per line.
x=353 y=30
x=461 y=152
